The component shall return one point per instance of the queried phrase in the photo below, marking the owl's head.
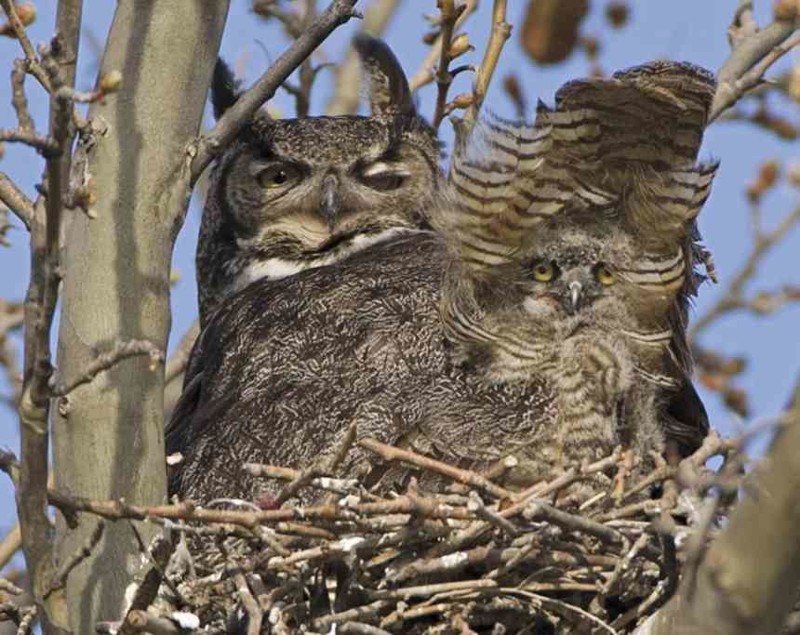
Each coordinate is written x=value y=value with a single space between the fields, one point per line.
x=573 y=269
x=291 y=194
x=583 y=219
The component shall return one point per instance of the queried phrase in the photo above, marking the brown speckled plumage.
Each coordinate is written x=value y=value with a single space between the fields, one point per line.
x=293 y=194
x=282 y=369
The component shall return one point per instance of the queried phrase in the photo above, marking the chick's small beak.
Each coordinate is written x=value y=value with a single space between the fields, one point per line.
x=330 y=200
x=575 y=289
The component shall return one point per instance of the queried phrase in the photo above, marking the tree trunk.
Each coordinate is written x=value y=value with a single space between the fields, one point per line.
x=108 y=434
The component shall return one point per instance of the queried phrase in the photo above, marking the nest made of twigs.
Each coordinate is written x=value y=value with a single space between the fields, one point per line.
x=472 y=558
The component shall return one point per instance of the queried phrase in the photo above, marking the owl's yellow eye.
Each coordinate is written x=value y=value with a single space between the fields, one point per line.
x=543 y=271
x=275 y=177
x=604 y=275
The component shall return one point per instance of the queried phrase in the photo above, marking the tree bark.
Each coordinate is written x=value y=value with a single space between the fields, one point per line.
x=108 y=434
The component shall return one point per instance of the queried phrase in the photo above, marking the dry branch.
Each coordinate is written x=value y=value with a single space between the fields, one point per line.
x=732 y=297
x=427 y=71
x=107 y=360
x=390 y=453
x=15 y=199
x=753 y=52
x=501 y=31
x=210 y=145
x=447 y=23
x=57 y=62
x=31 y=60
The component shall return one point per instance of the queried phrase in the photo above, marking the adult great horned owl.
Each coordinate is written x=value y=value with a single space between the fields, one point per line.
x=293 y=194
x=542 y=321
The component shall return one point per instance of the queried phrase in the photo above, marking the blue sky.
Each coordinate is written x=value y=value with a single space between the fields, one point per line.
x=681 y=29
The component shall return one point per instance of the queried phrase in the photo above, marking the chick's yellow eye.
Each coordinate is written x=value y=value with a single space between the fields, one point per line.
x=543 y=272
x=604 y=275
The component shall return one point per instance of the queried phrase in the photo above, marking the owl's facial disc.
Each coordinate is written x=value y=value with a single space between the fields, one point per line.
x=572 y=287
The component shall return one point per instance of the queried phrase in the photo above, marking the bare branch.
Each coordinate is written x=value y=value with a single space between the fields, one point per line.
x=18 y=99
x=501 y=31
x=426 y=73
x=58 y=62
x=732 y=297
x=60 y=579
x=31 y=60
x=449 y=15
x=11 y=543
x=177 y=362
x=389 y=453
x=208 y=146
x=753 y=52
x=46 y=145
x=104 y=361
x=15 y=199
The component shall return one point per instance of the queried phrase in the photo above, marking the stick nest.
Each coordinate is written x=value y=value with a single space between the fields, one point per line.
x=595 y=548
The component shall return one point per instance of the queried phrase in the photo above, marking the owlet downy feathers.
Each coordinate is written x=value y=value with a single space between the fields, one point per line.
x=575 y=243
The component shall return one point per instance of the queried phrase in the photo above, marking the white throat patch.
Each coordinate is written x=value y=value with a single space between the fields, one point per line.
x=277 y=268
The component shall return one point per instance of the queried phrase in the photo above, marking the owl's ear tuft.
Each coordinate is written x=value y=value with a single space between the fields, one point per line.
x=388 y=88
x=225 y=88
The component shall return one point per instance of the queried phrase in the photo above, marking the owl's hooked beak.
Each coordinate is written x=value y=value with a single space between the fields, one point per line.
x=575 y=292
x=330 y=200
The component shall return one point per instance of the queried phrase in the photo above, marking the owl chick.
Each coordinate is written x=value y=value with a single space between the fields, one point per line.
x=618 y=153
x=294 y=194
x=537 y=321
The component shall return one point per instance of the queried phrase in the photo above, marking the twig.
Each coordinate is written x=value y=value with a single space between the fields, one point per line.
x=29 y=615
x=236 y=117
x=732 y=297
x=426 y=73
x=359 y=628
x=501 y=31
x=752 y=53
x=157 y=554
x=339 y=485
x=117 y=510
x=15 y=199
x=449 y=15
x=40 y=304
x=427 y=590
x=322 y=465
x=10 y=544
x=31 y=60
x=6 y=586
x=485 y=513
x=538 y=510
x=176 y=364
x=107 y=360
x=43 y=144
x=59 y=581
x=142 y=622
x=254 y=613
x=19 y=101
x=466 y=477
